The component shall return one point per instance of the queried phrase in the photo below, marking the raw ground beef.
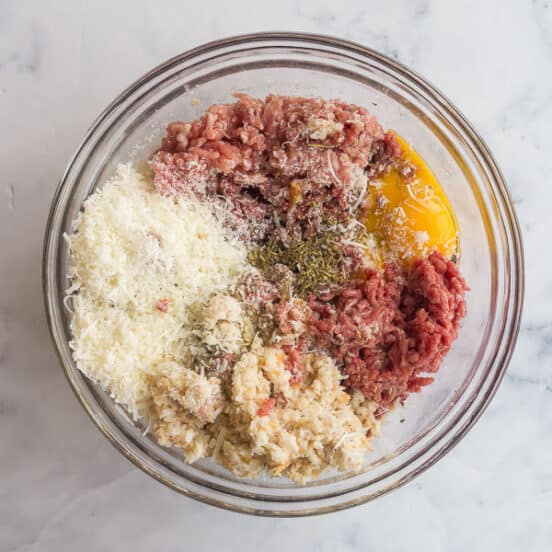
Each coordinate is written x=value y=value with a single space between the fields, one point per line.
x=389 y=329
x=284 y=163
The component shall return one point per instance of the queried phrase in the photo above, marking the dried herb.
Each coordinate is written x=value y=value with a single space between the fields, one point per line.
x=316 y=262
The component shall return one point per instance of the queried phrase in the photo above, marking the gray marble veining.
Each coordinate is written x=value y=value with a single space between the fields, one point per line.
x=62 y=487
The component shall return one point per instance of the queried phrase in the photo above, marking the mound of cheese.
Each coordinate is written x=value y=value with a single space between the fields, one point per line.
x=139 y=262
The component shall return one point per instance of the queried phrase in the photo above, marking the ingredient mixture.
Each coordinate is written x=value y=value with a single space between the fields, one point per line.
x=283 y=275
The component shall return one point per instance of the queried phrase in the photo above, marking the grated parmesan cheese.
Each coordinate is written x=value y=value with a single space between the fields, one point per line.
x=132 y=248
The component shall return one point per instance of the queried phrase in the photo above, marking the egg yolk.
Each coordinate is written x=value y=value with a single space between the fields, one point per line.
x=408 y=211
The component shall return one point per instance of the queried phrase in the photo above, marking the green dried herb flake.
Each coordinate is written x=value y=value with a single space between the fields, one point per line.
x=316 y=262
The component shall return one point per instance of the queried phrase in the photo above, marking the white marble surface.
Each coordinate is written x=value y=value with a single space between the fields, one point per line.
x=62 y=487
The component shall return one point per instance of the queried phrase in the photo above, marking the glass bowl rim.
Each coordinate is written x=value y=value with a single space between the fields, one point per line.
x=284 y=39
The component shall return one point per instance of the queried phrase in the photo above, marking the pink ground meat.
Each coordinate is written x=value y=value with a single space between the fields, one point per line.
x=252 y=150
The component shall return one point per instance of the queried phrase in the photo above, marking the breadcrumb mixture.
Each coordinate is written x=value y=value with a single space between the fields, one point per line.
x=258 y=421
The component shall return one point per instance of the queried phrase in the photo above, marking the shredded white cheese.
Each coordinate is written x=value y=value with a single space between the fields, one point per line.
x=133 y=250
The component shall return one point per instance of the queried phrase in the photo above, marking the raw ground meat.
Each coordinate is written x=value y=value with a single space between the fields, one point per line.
x=284 y=163
x=389 y=329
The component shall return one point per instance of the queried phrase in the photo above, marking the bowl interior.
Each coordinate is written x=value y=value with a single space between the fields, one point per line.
x=132 y=128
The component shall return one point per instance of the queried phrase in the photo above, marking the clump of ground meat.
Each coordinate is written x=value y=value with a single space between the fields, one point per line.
x=284 y=164
x=388 y=330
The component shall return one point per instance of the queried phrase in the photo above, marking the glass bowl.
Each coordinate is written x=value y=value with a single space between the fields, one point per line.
x=432 y=422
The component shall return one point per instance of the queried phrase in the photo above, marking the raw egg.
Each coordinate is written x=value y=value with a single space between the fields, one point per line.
x=409 y=213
